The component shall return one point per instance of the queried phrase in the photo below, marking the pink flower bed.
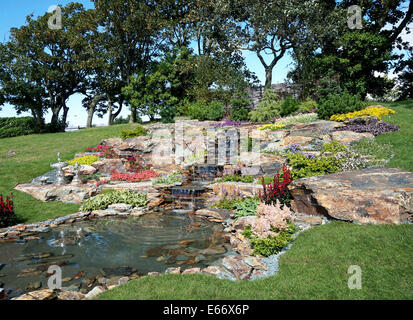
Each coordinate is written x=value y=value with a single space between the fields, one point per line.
x=140 y=176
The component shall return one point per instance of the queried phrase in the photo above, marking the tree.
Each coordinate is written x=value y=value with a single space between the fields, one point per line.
x=132 y=39
x=43 y=67
x=160 y=91
x=276 y=26
x=357 y=56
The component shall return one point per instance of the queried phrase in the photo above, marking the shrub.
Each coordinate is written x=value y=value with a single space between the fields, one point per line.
x=308 y=165
x=246 y=207
x=272 y=126
x=135 y=132
x=339 y=103
x=202 y=111
x=333 y=147
x=271 y=229
x=278 y=189
x=373 y=128
x=226 y=204
x=13 y=127
x=7 y=214
x=104 y=200
x=268 y=108
x=307 y=106
x=377 y=112
x=168 y=179
x=272 y=245
x=235 y=178
x=239 y=114
x=289 y=106
x=144 y=175
x=86 y=160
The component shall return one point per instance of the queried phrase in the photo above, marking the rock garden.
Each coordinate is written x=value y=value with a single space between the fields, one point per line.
x=221 y=198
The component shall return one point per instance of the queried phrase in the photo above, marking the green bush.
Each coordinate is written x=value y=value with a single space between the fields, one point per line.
x=289 y=106
x=13 y=127
x=333 y=147
x=268 y=108
x=271 y=245
x=308 y=166
x=168 y=179
x=307 y=106
x=103 y=200
x=135 y=132
x=246 y=207
x=235 y=178
x=239 y=114
x=202 y=111
x=339 y=103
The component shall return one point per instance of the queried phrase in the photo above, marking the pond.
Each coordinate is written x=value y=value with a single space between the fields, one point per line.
x=111 y=247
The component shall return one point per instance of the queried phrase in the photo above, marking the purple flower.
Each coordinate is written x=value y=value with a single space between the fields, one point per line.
x=228 y=123
x=373 y=128
x=294 y=148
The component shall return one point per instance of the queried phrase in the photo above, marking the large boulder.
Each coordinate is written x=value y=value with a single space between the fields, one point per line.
x=65 y=193
x=108 y=165
x=376 y=195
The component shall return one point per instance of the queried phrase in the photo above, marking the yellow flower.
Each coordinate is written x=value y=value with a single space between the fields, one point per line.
x=375 y=111
x=84 y=160
x=272 y=126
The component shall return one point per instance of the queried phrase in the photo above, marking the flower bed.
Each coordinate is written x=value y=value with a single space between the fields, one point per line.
x=86 y=160
x=139 y=176
x=372 y=111
x=373 y=128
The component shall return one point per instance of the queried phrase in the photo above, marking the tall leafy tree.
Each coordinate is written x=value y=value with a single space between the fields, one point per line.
x=357 y=56
x=55 y=63
x=132 y=31
x=271 y=28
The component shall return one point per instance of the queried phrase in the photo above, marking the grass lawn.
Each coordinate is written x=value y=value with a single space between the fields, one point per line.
x=316 y=266
x=402 y=140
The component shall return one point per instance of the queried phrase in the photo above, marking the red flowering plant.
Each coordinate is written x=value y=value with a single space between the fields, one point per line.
x=7 y=215
x=137 y=176
x=278 y=189
x=136 y=163
x=105 y=151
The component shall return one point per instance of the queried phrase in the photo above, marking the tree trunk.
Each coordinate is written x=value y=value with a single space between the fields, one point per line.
x=268 y=77
x=55 y=116
x=90 y=112
x=92 y=108
x=132 y=118
x=112 y=116
x=64 y=118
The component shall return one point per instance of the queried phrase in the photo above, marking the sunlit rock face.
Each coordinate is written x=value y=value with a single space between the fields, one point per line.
x=365 y=196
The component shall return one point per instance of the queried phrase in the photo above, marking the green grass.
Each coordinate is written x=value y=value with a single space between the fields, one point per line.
x=402 y=140
x=34 y=155
x=315 y=268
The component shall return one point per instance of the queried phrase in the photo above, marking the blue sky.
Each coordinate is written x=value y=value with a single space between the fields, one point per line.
x=13 y=14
